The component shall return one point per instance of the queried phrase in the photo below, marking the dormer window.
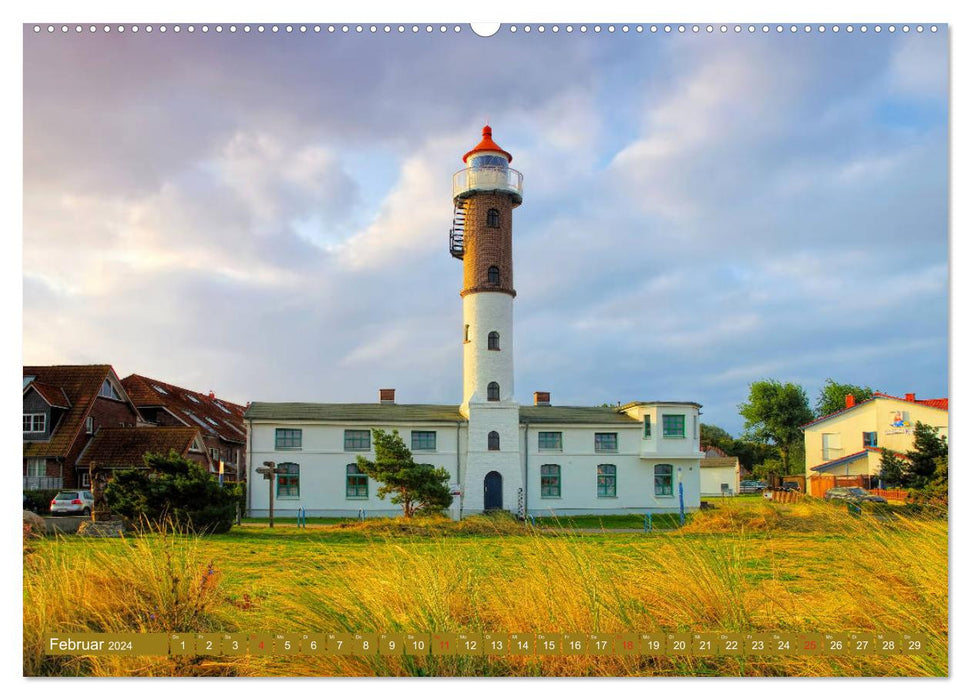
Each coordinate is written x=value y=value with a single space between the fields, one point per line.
x=492 y=218
x=108 y=391
x=494 y=276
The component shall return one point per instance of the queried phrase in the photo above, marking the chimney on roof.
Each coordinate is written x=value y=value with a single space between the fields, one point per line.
x=386 y=395
x=911 y=397
x=850 y=401
x=212 y=395
x=541 y=398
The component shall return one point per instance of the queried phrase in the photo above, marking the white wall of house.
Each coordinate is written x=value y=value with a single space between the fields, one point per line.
x=323 y=466
x=463 y=450
x=713 y=478
x=578 y=461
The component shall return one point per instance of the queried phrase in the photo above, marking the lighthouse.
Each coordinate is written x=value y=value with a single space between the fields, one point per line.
x=484 y=194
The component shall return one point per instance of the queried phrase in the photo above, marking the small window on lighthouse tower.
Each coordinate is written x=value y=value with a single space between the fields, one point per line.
x=493 y=340
x=492 y=392
x=493 y=440
x=494 y=275
x=492 y=218
x=466 y=338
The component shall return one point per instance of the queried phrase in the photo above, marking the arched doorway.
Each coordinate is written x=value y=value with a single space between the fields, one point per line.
x=493 y=491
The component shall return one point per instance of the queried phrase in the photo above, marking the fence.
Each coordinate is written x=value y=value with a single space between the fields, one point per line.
x=786 y=496
x=42 y=483
x=892 y=494
x=821 y=483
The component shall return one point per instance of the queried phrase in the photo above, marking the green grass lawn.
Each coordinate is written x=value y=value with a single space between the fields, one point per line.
x=802 y=567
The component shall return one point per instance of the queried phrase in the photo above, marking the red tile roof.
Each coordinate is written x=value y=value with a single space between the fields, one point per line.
x=212 y=415
x=933 y=403
x=124 y=448
x=53 y=395
x=80 y=384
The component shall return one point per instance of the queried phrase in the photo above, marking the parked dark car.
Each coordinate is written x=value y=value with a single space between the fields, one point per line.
x=854 y=494
x=752 y=486
x=789 y=486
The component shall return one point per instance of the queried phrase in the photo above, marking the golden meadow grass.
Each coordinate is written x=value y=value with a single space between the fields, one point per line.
x=754 y=567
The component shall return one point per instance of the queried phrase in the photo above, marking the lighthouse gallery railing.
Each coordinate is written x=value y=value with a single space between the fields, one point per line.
x=487 y=178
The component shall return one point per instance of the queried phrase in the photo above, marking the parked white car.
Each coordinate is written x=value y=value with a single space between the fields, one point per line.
x=77 y=502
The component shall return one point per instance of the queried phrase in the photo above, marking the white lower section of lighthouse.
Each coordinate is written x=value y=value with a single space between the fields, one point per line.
x=493 y=474
x=484 y=313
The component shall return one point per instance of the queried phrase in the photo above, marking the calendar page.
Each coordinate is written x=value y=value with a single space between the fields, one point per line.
x=545 y=349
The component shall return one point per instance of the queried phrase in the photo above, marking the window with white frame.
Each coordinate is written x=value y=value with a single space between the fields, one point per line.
x=647 y=425
x=89 y=425
x=108 y=391
x=36 y=466
x=35 y=423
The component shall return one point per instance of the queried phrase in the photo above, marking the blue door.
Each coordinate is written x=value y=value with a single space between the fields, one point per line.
x=493 y=491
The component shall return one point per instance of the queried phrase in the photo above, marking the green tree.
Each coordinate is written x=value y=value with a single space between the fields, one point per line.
x=713 y=436
x=923 y=459
x=891 y=468
x=172 y=491
x=832 y=396
x=415 y=487
x=775 y=413
x=751 y=454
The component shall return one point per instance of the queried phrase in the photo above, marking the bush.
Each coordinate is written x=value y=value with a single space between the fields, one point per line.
x=39 y=500
x=173 y=493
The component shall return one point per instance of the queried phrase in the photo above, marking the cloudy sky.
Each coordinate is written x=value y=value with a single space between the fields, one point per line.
x=267 y=215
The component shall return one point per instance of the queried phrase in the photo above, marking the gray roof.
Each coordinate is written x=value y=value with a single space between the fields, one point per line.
x=370 y=412
x=413 y=413
x=574 y=414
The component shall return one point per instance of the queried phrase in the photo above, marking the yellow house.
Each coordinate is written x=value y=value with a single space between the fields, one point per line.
x=848 y=442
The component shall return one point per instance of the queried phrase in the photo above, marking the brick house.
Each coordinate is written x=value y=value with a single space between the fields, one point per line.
x=64 y=407
x=220 y=422
x=124 y=448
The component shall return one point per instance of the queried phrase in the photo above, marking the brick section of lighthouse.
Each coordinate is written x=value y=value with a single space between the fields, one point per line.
x=486 y=247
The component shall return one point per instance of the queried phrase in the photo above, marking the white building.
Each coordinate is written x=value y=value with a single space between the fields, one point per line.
x=537 y=460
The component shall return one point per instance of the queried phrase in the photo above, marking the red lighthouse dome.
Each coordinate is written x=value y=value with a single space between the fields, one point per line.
x=487 y=145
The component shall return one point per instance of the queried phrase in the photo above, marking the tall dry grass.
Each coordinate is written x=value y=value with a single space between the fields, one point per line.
x=156 y=582
x=809 y=567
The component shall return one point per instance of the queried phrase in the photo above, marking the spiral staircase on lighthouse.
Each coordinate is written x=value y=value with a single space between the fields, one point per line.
x=456 y=235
